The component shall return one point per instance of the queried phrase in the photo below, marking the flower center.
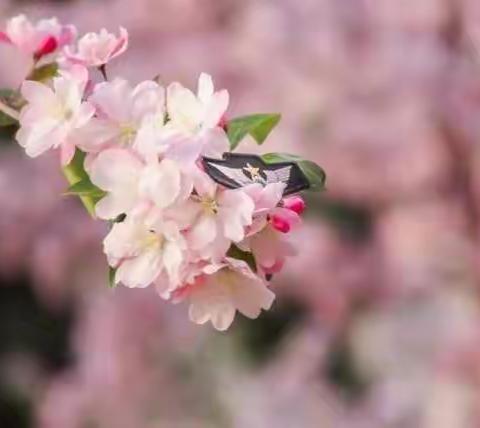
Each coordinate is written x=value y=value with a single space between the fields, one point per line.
x=209 y=205
x=227 y=277
x=62 y=113
x=187 y=123
x=68 y=114
x=127 y=133
x=152 y=240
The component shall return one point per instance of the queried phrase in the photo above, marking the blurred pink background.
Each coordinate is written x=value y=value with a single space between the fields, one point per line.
x=377 y=322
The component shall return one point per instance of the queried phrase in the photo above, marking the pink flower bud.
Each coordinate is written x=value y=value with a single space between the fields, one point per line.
x=280 y=223
x=39 y=39
x=48 y=45
x=295 y=204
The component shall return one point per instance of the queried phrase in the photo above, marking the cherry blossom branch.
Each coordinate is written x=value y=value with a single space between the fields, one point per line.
x=136 y=185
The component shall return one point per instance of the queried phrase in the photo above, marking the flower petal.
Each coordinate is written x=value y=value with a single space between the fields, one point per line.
x=205 y=88
x=161 y=182
x=112 y=205
x=203 y=232
x=140 y=271
x=172 y=260
x=215 y=109
x=115 y=169
x=251 y=296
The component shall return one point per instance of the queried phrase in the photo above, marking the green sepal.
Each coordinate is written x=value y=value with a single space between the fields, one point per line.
x=236 y=253
x=44 y=73
x=111 y=277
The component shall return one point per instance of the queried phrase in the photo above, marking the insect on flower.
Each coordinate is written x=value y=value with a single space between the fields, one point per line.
x=239 y=170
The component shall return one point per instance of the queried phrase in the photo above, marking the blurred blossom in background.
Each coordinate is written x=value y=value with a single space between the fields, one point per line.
x=377 y=321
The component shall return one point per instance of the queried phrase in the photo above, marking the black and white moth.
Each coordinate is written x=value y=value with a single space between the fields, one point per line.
x=236 y=170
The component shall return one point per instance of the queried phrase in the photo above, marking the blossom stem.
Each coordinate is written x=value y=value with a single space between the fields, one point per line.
x=9 y=111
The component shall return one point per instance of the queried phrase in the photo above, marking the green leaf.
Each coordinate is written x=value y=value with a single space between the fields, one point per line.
x=44 y=73
x=314 y=173
x=236 y=253
x=258 y=126
x=111 y=277
x=75 y=173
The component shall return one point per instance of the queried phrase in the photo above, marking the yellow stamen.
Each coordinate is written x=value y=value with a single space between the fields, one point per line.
x=209 y=205
x=152 y=240
x=127 y=133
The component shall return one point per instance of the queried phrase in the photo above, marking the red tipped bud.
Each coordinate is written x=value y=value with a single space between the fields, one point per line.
x=280 y=224
x=295 y=204
x=47 y=46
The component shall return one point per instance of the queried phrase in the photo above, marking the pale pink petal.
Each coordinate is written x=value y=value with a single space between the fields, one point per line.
x=67 y=35
x=198 y=313
x=161 y=182
x=203 y=184
x=124 y=240
x=217 y=250
x=35 y=92
x=114 y=169
x=222 y=316
x=251 y=296
x=203 y=232
x=148 y=98
x=211 y=302
x=184 y=110
x=184 y=213
x=113 y=204
x=140 y=271
x=83 y=115
x=96 y=135
x=172 y=260
x=37 y=140
x=214 y=143
x=112 y=98
x=215 y=109
x=205 y=88
x=122 y=44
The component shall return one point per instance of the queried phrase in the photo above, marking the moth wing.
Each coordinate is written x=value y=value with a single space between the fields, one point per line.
x=233 y=174
x=281 y=175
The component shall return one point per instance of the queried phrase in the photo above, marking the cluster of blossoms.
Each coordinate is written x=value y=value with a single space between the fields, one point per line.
x=135 y=154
